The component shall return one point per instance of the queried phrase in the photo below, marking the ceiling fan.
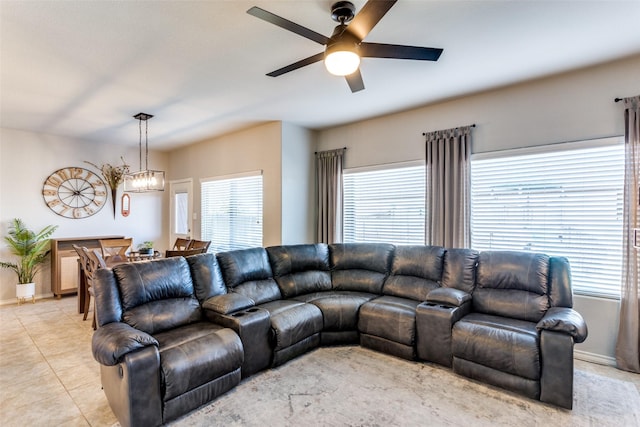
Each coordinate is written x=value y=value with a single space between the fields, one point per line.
x=345 y=47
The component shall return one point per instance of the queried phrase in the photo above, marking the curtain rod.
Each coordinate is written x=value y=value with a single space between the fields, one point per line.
x=471 y=126
x=344 y=148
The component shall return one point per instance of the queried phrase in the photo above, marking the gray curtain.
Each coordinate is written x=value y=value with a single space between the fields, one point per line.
x=628 y=343
x=448 y=187
x=329 y=165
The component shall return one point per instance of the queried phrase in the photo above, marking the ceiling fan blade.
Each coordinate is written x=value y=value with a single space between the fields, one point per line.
x=288 y=25
x=370 y=14
x=355 y=81
x=296 y=65
x=381 y=50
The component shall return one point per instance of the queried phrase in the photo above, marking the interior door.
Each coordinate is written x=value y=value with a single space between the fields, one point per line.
x=181 y=218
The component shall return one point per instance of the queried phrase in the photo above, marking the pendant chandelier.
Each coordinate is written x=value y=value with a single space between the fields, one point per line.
x=144 y=180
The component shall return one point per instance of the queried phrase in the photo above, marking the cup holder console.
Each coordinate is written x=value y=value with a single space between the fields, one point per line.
x=245 y=312
x=434 y=323
x=433 y=304
x=253 y=326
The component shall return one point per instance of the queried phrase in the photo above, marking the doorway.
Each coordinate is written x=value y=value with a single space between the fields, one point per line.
x=181 y=217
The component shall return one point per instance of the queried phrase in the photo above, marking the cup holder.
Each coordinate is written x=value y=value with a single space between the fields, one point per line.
x=446 y=307
x=430 y=304
x=253 y=310
x=240 y=314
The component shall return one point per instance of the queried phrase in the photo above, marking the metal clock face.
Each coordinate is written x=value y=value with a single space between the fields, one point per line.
x=74 y=192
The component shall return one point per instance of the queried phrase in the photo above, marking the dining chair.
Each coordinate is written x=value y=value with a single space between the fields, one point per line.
x=95 y=262
x=84 y=265
x=186 y=252
x=114 y=251
x=90 y=261
x=200 y=244
x=181 y=244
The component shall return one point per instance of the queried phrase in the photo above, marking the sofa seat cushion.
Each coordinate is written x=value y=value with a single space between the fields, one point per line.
x=196 y=354
x=505 y=344
x=391 y=318
x=292 y=321
x=339 y=308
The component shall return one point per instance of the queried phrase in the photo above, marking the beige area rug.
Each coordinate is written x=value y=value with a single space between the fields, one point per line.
x=353 y=386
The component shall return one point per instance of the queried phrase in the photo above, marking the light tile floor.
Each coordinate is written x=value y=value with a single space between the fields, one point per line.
x=48 y=376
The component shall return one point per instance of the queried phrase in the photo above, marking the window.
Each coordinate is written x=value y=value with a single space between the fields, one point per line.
x=232 y=212
x=181 y=213
x=385 y=205
x=564 y=199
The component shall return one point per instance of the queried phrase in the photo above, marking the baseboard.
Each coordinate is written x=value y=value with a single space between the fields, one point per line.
x=15 y=301
x=594 y=358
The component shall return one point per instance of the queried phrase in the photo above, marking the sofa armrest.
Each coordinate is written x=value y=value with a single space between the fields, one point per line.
x=566 y=320
x=448 y=296
x=114 y=340
x=228 y=303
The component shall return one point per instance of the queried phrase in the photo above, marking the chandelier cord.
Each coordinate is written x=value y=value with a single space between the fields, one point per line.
x=140 y=144
x=146 y=145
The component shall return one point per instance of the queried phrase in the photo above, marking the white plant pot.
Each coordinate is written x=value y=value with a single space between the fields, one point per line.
x=25 y=291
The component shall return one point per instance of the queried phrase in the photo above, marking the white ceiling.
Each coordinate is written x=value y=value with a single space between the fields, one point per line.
x=82 y=69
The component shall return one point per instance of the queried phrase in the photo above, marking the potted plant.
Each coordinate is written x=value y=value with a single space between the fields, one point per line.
x=33 y=249
x=145 y=248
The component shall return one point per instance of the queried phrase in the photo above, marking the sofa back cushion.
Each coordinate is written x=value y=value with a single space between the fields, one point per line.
x=415 y=271
x=157 y=295
x=247 y=272
x=512 y=284
x=459 y=270
x=206 y=276
x=360 y=267
x=300 y=269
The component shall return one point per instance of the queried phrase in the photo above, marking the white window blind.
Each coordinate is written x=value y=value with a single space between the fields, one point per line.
x=563 y=200
x=384 y=205
x=232 y=212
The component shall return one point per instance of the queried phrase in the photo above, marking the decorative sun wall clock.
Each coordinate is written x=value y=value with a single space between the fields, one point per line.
x=74 y=192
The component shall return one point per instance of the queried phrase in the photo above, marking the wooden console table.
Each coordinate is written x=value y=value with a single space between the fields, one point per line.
x=64 y=264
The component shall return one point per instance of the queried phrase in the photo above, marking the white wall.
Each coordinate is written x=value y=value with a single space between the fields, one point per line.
x=298 y=185
x=255 y=148
x=568 y=107
x=27 y=159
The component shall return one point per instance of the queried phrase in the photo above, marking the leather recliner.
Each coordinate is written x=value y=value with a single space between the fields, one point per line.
x=520 y=332
x=159 y=357
x=387 y=323
x=295 y=325
x=175 y=333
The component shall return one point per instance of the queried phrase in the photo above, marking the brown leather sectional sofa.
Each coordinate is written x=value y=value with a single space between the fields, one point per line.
x=176 y=333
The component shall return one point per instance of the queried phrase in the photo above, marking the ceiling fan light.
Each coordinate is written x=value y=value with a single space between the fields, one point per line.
x=342 y=62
